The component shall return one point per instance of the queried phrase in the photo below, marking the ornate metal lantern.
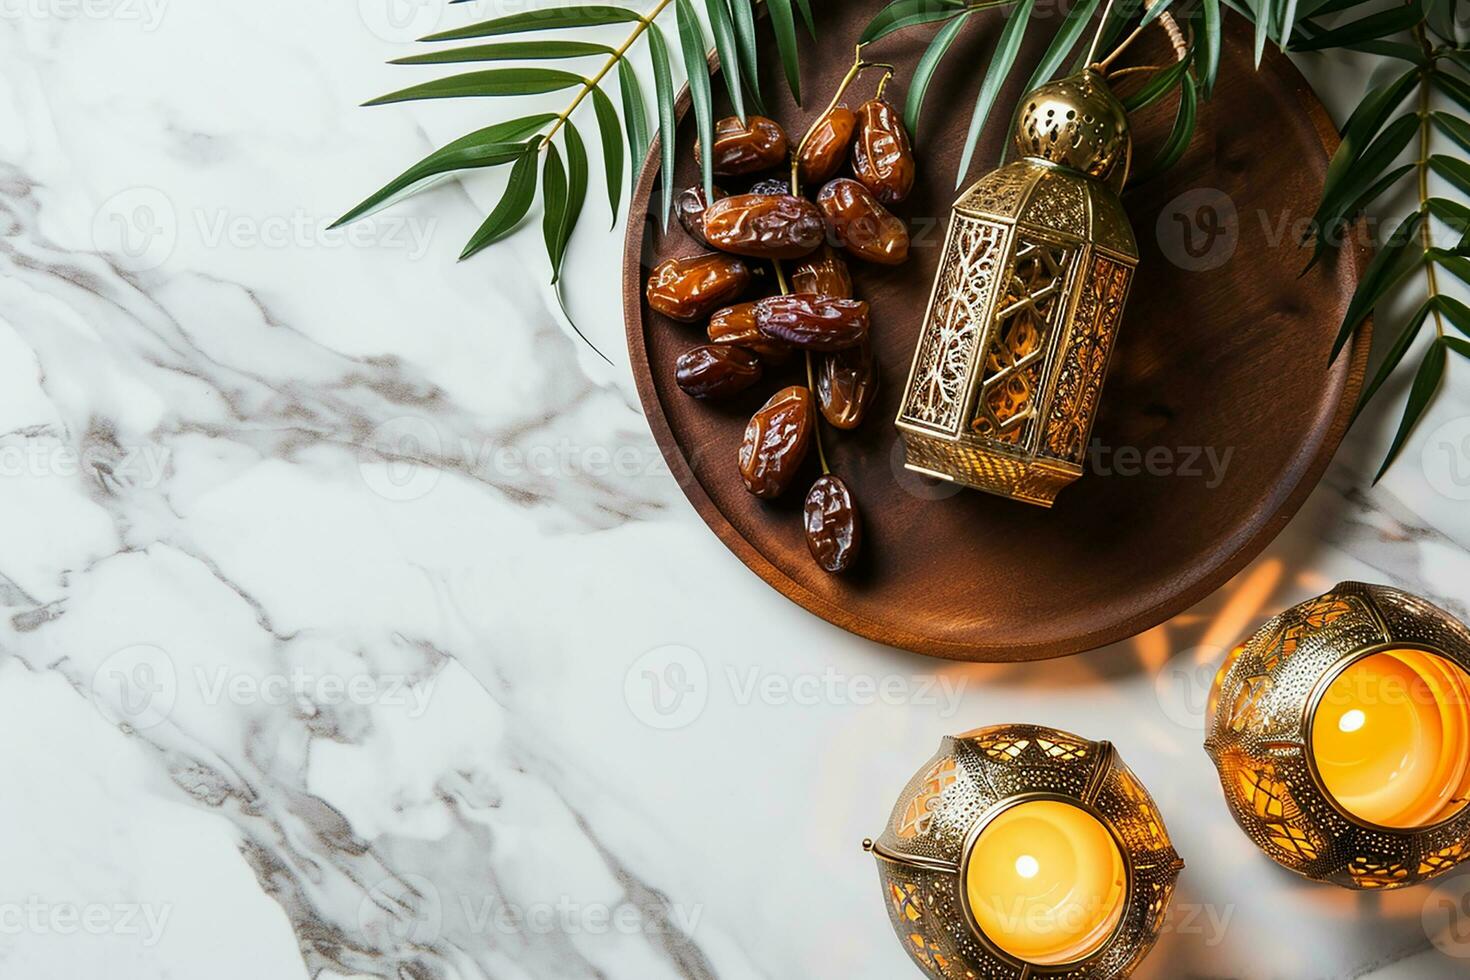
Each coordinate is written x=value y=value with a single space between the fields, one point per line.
x=1020 y=851
x=1031 y=286
x=1342 y=734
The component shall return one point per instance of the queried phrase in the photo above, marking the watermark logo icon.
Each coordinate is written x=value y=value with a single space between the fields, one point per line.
x=1446 y=916
x=1446 y=459
x=394 y=460
x=667 y=687
x=402 y=910
x=1199 y=230
x=917 y=484
x=400 y=21
x=1182 y=686
x=137 y=227
x=136 y=686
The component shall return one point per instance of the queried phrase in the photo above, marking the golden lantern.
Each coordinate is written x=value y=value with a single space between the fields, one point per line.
x=1024 y=851
x=1035 y=271
x=1342 y=734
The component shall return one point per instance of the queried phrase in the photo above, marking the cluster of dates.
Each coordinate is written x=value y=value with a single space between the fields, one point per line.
x=818 y=316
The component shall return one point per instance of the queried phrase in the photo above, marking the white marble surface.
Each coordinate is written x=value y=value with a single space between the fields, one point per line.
x=276 y=705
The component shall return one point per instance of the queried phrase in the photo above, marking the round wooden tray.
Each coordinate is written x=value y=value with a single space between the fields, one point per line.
x=1219 y=414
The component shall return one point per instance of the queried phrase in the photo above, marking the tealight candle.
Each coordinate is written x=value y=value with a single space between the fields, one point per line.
x=1046 y=882
x=1391 y=738
x=1026 y=851
x=1341 y=730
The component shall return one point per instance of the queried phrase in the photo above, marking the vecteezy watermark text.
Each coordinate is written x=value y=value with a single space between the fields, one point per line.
x=1208 y=463
x=37 y=916
x=411 y=908
x=669 y=687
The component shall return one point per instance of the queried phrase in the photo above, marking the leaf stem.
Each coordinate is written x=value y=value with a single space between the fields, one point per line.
x=1425 y=233
x=588 y=84
x=1097 y=35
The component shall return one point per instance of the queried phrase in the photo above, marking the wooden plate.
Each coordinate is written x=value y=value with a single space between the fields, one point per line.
x=1219 y=414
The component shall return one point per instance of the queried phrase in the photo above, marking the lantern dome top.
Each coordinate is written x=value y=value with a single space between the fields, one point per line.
x=1076 y=122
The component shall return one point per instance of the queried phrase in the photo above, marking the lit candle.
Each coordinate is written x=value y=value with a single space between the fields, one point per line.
x=1046 y=882
x=1391 y=739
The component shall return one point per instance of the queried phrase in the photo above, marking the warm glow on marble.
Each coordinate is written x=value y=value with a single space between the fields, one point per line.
x=1046 y=882
x=1391 y=739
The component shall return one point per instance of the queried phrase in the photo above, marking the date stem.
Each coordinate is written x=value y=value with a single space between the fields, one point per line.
x=811 y=384
x=858 y=67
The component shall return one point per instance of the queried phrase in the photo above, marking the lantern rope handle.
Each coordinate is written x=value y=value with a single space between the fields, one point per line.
x=1118 y=177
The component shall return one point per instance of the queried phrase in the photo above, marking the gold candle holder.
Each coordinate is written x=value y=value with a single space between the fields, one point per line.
x=1020 y=851
x=1341 y=730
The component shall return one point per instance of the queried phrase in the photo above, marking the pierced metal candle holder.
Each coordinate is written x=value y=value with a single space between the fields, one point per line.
x=1036 y=268
x=923 y=851
x=1261 y=715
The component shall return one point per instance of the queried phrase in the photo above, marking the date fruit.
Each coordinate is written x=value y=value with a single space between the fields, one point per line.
x=770 y=185
x=846 y=383
x=765 y=226
x=746 y=148
x=834 y=530
x=823 y=274
x=690 y=207
x=861 y=225
x=716 y=371
x=736 y=325
x=881 y=157
x=826 y=149
x=689 y=289
x=817 y=323
x=776 y=441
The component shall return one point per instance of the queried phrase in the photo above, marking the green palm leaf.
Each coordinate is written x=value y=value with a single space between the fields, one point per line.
x=507 y=51
x=554 y=206
x=924 y=73
x=1179 y=136
x=566 y=192
x=549 y=19
x=744 y=18
x=807 y=18
x=1159 y=84
x=488 y=147
x=1066 y=39
x=1394 y=356
x=512 y=207
x=663 y=85
x=493 y=82
x=729 y=51
x=691 y=38
x=1394 y=261
x=635 y=118
x=1210 y=67
x=612 y=149
x=1001 y=62
x=1421 y=392
x=908 y=13
x=1381 y=24
x=783 y=22
x=1454 y=127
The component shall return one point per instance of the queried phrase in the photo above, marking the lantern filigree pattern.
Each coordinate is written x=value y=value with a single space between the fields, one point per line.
x=1260 y=738
x=1020 y=337
x=971 y=779
x=942 y=362
x=1009 y=367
